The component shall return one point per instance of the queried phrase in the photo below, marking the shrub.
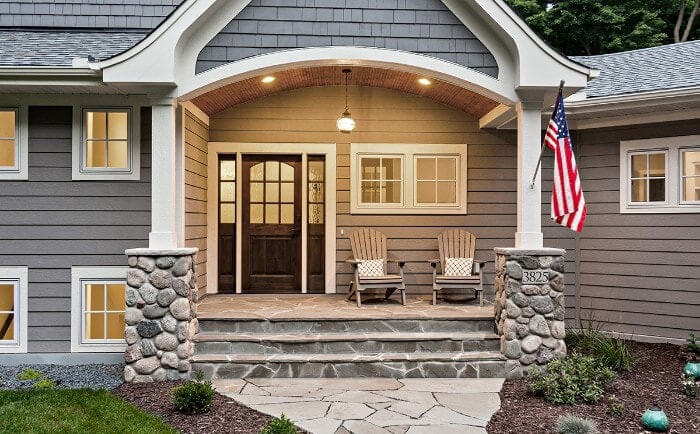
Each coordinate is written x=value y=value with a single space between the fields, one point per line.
x=193 y=396
x=689 y=386
x=569 y=424
x=693 y=346
x=571 y=380
x=615 y=353
x=44 y=384
x=29 y=374
x=615 y=407
x=279 y=425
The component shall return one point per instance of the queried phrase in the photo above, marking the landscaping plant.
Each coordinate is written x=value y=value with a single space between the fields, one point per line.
x=569 y=424
x=576 y=378
x=615 y=353
x=29 y=374
x=693 y=346
x=279 y=425
x=44 y=384
x=689 y=386
x=193 y=397
x=615 y=407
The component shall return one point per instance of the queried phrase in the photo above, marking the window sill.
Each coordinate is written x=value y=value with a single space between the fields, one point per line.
x=99 y=348
x=106 y=176
x=408 y=211
x=661 y=209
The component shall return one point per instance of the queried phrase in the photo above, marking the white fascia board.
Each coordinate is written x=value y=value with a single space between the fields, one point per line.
x=47 y=71
x=639 y=99
x=497 y=118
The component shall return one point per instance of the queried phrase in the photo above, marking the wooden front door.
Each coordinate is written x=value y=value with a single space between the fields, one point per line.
x=271 y=256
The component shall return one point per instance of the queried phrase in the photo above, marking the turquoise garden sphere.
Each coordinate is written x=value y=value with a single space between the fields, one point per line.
x=692 y=368
x=655 y=419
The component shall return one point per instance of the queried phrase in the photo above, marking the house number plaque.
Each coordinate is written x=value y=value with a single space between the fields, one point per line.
x=535 y=277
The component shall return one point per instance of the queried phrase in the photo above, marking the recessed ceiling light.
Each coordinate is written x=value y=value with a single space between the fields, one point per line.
x=425 y=81
x=268 y=79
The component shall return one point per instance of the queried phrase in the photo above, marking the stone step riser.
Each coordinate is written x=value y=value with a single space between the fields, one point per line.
x=431 y=346
x=412 y=369
x=354 y=326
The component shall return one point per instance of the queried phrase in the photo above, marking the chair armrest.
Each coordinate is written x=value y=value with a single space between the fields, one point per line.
x=394 y=260
x=434 y=262
x=352 y=262
x=476 y=268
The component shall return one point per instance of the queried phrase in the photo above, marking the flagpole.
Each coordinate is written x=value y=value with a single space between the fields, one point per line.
x=539 y=160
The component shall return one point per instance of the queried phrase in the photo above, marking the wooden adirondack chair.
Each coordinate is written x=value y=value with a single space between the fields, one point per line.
x=370 y=244
x=457 y=243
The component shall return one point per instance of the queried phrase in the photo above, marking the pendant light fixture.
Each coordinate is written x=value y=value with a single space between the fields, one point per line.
x=345 y=122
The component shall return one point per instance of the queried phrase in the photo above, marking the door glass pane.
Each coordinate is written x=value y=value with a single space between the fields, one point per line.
x=115 y=325
x=316 y=192
x=95 y=325
x=287 y=214
x=391 y=192
x=369 y=168
x=95 y=296
x=228 y=170
x=315 y=170
x=272 y=170
x=256 y=191
x=425 y=192
x=272 y=192
x=446 y=192
x=118 y=154
x=287 y=192
x=256 y=213
x=96 y=154
x=7 y=153
x=639 y=190
x=287 y=172
x=272 y=215
x=118 y=125
x=228 y=192
x=425 y=168
x=116 y=294
x=370 y=191
x=7 y=124
x=447 y=168
x=657 y=165
x=256 y=172
x=316 y=214
x=7 y=298
x=391 y=168
x=691 y=189
x=9 y=319
x=657 y=190
x=96 y=125
x=228 y=213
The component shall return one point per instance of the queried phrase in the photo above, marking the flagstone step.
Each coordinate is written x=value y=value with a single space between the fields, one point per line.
x=357 y=342
x=472 y=364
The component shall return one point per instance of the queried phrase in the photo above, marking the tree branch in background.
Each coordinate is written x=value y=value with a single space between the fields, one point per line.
x=679 y=22
x=689 y=25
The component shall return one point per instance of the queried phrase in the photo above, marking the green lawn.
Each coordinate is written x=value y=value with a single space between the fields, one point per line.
x=73 y=411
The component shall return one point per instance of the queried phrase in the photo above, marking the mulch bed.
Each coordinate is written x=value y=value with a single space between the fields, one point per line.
x=225 y=416
x=655 y=379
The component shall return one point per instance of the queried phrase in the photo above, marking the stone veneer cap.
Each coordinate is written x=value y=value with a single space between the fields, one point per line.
x=165 y=252
x=545 y=251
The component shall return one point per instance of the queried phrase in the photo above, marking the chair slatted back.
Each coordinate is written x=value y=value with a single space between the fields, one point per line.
x=456 y=243
x=368 y=244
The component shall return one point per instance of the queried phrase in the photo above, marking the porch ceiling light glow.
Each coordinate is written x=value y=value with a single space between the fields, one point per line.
x=425 y=81
x=345 y=122
x=268 y=79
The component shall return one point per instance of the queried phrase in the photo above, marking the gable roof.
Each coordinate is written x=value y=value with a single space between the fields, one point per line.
x=665 y=67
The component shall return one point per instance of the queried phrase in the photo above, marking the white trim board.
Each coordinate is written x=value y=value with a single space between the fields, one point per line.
x=78 y=275
x=302 y=149
x=18 y=276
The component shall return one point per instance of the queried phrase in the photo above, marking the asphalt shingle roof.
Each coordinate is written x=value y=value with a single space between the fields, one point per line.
x=650 y=69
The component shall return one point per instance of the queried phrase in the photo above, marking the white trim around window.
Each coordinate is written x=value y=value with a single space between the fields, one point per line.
x=452 y=183
x=132 y=171
x=16 y=279
x=80 y=277
x=673 y=149
x=20 y=169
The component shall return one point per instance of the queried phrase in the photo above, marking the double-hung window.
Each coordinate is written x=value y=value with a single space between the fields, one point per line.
x=408 y=178
x=660 y=175
x=13 y=143
x=13 y=310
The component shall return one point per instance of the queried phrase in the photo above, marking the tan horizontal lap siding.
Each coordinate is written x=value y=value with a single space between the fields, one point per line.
x=638 y=272
x=196 y=143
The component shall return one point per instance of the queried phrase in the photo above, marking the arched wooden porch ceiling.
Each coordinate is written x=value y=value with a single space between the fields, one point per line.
x=239 y=92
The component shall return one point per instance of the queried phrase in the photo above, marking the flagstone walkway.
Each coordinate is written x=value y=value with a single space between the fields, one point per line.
x=373 y=405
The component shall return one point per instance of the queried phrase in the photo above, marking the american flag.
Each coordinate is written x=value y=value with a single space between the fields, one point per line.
x=568 y=204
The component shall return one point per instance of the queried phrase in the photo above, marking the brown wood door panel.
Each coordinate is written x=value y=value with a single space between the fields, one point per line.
x=271 y=259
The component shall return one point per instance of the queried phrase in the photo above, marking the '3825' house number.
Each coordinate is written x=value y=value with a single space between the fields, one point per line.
x=535 y=276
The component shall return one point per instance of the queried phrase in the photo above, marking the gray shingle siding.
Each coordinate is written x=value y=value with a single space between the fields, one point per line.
x=50 y=223
x=420 y=26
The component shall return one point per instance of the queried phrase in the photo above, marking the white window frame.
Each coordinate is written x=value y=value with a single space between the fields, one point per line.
x=682 y=177
x=437 y=179
x=81 y=172
x=409 y=153
x=79 y=277
x=20 y=171
x=19 y=277
x=672 y=147
x=667 y=179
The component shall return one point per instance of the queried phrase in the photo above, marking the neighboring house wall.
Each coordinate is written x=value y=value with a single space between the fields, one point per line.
x=50 y=223
x=425 y=26
x=387 y=116
x=196 y=142
x=639 y=273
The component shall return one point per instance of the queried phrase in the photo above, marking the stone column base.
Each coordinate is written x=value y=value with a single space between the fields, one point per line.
x=529 y=306
x=161 y=314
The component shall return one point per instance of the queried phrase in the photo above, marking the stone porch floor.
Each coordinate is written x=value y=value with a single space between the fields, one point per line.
x=373 y=405
x=332 y=307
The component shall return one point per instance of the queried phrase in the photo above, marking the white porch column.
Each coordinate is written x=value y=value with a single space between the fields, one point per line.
x=529 y=232
x=163 y=176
